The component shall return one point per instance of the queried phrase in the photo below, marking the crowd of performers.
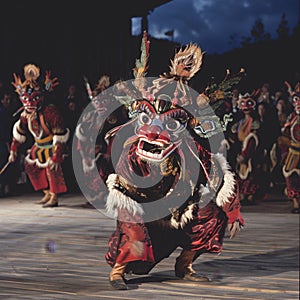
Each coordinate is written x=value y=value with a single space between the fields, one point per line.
x=169 y=184
x=262 y=146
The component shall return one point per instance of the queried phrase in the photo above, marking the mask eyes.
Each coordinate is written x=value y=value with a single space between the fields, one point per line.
x=24 y=98
x=32 y=98
x=144 y=119
x=173 y=125
x=96 y=102
x=296 y=99
x=247 y=104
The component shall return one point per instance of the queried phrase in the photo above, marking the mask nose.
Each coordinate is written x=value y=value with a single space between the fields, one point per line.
x=153 y=132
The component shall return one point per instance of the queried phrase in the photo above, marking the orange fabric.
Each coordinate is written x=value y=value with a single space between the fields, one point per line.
x=43 y=124
x=244 y=129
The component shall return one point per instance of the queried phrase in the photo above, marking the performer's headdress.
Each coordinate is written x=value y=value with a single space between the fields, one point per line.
x=141 y=64
x=185 y=64
x=30 y=92
x=295 y=94
x=97 y=95
x=211 y=117
x=246 y=102
x=294 y=91
x=129 y=93
x=216 y=92
x=103 y=84
x=173 y=86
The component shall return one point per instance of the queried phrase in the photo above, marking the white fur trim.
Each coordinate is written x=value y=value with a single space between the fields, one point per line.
x=248 y=171
x=289 y=173
x=248 y=137
x=87 y=168
x=223 y=196
x=225 y=143
x=61 y=138
x=206 y=195
x=79 y=133
x=36 y=162
x=17 y=135
x=116 y=199
x=184 y=219
x=228 y=188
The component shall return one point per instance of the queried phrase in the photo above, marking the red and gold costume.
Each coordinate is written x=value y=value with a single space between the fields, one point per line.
x=167 y=189
x=46 y=126
x=193 y=227
x=291 y=167
x=246 y=136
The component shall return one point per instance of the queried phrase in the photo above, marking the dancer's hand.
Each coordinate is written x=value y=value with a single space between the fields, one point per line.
x=12 y=156
x=234 y=228
x=88 y=165
x=239 y=159
x=53 y=165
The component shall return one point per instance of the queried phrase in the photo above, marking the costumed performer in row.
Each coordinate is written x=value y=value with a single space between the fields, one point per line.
x=45 y=124
x=189 y=195
x=291 y=167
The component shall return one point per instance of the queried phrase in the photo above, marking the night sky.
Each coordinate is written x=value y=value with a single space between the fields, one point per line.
x=210 y=23
x=93 y=37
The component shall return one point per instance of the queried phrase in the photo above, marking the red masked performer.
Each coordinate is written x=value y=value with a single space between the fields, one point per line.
x=168 y=190
x=102 y=115
x=291 y=168
x=245 y=133
x=45 y=124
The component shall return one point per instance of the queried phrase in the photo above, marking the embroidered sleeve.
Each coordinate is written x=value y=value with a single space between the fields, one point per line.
x=233 y=210
x=249 y=145
x=55 y=122
x=19 y=134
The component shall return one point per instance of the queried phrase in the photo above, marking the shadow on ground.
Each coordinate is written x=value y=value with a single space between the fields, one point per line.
x=258 y=265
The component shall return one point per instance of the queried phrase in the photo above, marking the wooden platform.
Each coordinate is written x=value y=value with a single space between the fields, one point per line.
x=58 y=253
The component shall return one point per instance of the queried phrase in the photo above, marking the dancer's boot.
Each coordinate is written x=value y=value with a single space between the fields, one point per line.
x=116 y=277
x=45 y=199
x=184 y=269
x=296 y=209
x=53 y=202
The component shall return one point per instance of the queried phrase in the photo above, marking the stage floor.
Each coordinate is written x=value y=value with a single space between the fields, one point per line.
x=58 y=253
